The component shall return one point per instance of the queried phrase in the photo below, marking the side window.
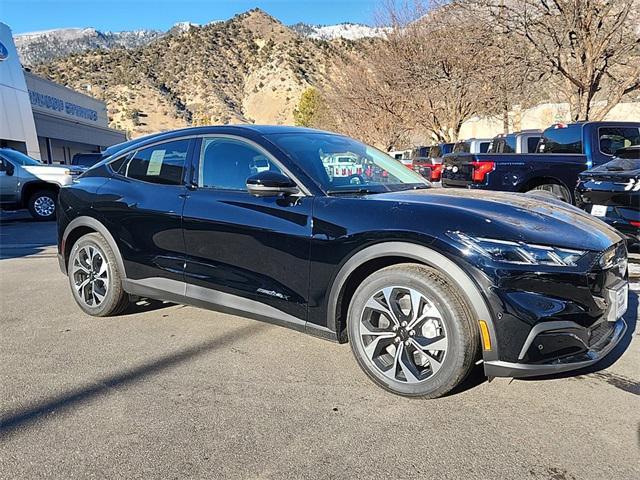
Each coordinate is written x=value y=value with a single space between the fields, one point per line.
x=612 y=139
x=532 y=144
x=561 y=140
x=6 y=166
x=484 y=146
x=226 y=164
x=163 y=163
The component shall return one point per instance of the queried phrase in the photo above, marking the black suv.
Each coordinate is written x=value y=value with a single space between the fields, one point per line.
x=422 y=282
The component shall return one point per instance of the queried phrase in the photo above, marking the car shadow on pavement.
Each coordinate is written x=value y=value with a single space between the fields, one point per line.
x=60 y=404
x=143 y=305
x=21 y=236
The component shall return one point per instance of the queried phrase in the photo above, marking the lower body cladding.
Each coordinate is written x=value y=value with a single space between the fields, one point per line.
x=546 y=333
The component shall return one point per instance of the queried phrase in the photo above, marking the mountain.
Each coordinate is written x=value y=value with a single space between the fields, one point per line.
x=347 y=31
x=40 y=47
x=48 y=45
x=251 y=68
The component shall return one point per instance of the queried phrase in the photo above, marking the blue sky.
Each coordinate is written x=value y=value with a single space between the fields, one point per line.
x=30 y=15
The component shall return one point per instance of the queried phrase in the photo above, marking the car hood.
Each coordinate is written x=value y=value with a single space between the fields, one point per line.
x=47 y=169
x=533 y=218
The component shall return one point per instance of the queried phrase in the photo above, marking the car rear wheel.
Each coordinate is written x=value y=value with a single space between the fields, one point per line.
x=94 y=277
x=558 y=191
x=42 y=205
x=411 y=332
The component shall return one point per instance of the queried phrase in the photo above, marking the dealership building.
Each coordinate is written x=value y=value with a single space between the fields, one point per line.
x=45 y=120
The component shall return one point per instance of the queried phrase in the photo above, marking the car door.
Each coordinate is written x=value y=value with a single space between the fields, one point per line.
x=142 y=205
x=8 y=181
x=245 y=254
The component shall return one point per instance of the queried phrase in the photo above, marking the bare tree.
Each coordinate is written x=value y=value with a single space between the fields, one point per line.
x=590 y=48
x=362 y=99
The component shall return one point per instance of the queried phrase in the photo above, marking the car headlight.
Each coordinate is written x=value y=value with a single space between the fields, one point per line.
x=517 y=252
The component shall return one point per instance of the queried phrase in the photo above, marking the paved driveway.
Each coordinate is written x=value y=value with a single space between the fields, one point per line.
x=176 y=392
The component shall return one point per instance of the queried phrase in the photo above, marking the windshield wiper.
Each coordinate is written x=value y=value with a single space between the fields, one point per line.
x=411 y=186
x=351 y=191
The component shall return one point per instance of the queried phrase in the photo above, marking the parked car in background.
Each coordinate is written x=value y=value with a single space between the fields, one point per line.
x=472 y=145
x=612 y=193
x=403 y=156
x=27 y=183
x=564 y=151
x=431 y=166
x=86 y=160
x=525 y=141
x=423 y=283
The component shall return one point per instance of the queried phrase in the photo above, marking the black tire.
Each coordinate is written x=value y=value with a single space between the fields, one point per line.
x=463 y=342
x=115 y=300
x=42 y=205
x=554 y=190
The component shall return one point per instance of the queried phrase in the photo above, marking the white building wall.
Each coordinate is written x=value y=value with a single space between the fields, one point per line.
x=16 y=117
x=539 y=117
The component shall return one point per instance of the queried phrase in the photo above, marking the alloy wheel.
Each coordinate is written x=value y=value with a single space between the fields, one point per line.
x=403 y=334
x=90 y=275
x=44 y=206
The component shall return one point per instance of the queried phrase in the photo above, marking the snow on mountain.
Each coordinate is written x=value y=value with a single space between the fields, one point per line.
x=47 y=45
x=349 y=31
x=181 y=27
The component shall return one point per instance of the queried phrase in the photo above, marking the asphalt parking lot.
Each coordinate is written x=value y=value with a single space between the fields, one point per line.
x=169 y=391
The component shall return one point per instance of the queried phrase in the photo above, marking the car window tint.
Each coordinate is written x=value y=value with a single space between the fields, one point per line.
x=612 y=139
x=462 y=147
x=227 y=163
x=532 y=144
x=561 y=140
x=163 y=163
x=484 y=146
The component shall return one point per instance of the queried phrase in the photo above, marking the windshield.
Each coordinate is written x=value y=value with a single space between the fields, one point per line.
x=19 y=157
x=368 y=169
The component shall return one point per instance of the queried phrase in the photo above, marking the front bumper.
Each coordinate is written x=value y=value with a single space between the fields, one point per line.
x=600 y=349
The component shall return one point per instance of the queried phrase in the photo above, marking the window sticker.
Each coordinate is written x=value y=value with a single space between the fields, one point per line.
x=155 y=162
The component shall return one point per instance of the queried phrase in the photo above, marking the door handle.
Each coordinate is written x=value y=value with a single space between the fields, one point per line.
x=184 y=195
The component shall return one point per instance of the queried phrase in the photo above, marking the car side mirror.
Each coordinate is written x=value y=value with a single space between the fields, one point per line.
x=271 y=184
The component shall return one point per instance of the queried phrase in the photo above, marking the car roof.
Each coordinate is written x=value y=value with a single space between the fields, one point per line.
x=210 y=129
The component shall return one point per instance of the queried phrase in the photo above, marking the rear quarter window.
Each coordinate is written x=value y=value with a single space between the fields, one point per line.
x=561 y=140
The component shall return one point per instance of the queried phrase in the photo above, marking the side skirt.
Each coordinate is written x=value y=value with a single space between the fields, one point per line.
x=209 y=299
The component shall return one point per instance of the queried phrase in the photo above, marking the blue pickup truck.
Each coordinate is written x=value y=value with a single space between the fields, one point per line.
x=563 y=152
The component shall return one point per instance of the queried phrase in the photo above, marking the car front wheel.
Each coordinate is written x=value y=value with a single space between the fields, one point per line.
x=42 y=205
x=411 y=332
x=94 y=277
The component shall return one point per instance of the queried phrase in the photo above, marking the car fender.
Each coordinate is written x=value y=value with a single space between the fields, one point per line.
x=422 y=254
x=96 y=225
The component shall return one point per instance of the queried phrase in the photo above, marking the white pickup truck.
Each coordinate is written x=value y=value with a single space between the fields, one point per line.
x=28 y=183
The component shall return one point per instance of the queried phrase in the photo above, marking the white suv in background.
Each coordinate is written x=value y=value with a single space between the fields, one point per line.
x=28 y=183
